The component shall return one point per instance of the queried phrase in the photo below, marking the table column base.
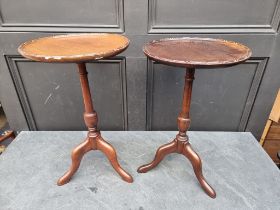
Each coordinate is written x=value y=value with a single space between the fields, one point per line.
x=181 y=143
x=182 y=147
x=94 y=142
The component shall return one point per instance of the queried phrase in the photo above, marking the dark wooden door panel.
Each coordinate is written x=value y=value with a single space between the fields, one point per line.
x=222 y=98
x=51 y=96
x=144 y=95
x=213 y=16
x=52 y=15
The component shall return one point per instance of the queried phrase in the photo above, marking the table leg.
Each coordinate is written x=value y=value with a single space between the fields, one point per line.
x=94 y=141
x=181 y=143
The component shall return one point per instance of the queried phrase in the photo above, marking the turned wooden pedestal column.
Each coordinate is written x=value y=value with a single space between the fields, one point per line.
x=191 y=53
x=94 y=141
x=80 y=48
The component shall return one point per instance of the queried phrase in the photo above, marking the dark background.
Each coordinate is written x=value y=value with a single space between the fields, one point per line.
x=130 y=92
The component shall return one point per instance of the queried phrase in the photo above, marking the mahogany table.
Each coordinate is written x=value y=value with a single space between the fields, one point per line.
x=80 y=48
x=191 y=53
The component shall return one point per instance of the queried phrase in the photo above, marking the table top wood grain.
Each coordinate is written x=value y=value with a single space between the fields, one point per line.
x=74 y=47
x=197 y=52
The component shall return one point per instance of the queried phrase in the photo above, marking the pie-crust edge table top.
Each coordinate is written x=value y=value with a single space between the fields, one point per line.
x=197 y=52
x=74 y=47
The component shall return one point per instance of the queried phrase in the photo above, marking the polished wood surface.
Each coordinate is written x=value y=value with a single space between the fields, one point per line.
x=272 y=142
x=191 y=53
x=181 y=143
x=74 y=47
x=79 y=48
x=270 y=139
x=94 y=141
x=197 y=52
x=275 y=111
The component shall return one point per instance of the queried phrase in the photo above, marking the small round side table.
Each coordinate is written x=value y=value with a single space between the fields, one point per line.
x=80 y=48
x=191 y=53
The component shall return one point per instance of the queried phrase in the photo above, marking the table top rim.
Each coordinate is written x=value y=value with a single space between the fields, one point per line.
x=71 y=58
x=193 y=64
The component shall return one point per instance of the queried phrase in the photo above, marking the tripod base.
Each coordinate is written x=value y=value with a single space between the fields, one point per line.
x=182 y=146
x=94 y=142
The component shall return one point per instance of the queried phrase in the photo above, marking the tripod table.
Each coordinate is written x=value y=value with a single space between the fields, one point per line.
x=191 y=53
x=80 y=48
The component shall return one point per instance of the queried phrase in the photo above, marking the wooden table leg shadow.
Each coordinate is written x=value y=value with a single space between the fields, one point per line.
x=181 y=143
x=93 y=141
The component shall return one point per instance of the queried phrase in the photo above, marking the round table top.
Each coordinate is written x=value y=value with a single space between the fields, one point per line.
x=197 y=52
x=74 y=47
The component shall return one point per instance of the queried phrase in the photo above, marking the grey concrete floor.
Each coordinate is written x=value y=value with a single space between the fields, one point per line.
x=235 y=165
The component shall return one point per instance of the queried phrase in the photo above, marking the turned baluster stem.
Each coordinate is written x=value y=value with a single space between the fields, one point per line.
x=90 y=115
x=184 y=116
